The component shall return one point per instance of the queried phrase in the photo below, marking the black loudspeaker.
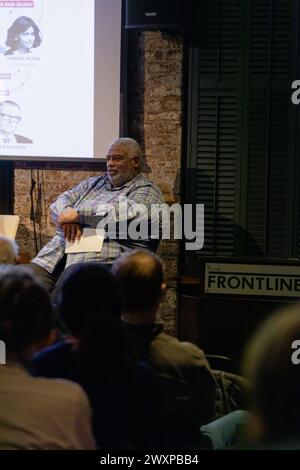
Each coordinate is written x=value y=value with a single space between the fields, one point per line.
x=156 y=14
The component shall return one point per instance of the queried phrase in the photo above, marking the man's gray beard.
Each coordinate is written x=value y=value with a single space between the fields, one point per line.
x=120 y=180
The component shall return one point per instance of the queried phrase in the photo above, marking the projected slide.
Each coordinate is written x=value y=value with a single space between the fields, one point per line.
x=58 y=91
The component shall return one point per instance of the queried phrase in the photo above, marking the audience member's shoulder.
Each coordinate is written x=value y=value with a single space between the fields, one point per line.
x=192 y=349
x=184 y=349
x=61 y=391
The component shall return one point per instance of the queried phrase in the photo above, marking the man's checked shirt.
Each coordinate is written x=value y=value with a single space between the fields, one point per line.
x=86 y=198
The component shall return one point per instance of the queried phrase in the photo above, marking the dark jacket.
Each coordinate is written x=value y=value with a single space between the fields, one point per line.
x=125 y=399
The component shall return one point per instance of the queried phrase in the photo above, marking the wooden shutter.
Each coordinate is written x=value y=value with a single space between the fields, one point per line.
x=213 y=124
x=241 y=127
x=269 y=125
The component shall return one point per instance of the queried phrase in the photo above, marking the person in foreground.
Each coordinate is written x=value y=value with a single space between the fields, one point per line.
x=93 y=201
x=35 y=413
x=124 y=395
x=271 y=363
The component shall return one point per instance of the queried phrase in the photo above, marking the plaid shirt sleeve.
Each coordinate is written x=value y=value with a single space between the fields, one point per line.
x=69 y=198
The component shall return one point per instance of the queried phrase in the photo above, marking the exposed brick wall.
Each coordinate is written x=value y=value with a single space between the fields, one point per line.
x=155 y=113
x=155 y=105
x=54 y=182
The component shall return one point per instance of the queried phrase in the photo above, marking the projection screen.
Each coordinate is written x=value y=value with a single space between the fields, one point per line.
x=60 y=78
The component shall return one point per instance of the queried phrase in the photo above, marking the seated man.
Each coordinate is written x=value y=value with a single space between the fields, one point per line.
x=35 y=413
x=8 y=251
x=124 y=395
x=95 y=201
x=140 y=275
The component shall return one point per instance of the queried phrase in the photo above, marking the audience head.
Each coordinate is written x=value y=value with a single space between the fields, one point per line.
x=88 y=299
x=274 y=378
x=141 y=279
x=26 y=317
x=87 y=292
x=8 y=251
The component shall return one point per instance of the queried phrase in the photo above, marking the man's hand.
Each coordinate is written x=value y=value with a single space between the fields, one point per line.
x=71 y=232
x=69 y=216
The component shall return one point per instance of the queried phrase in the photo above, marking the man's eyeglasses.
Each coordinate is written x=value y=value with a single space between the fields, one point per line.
x=9 y=117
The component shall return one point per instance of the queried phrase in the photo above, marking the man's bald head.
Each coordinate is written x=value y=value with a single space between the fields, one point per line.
x=140 y=275
x=8 y=251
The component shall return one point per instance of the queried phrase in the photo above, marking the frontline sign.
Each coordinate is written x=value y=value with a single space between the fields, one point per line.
x=251 y=279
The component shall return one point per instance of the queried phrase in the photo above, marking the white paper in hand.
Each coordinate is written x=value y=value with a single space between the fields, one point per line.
x=91 y=241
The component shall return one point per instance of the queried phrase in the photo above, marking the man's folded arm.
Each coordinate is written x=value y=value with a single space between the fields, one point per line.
x=69 y=198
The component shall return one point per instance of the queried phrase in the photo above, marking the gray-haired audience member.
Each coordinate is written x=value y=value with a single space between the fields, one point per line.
x=9 y=251
x=35 y=413
x=271 y=363
x=90 y=202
